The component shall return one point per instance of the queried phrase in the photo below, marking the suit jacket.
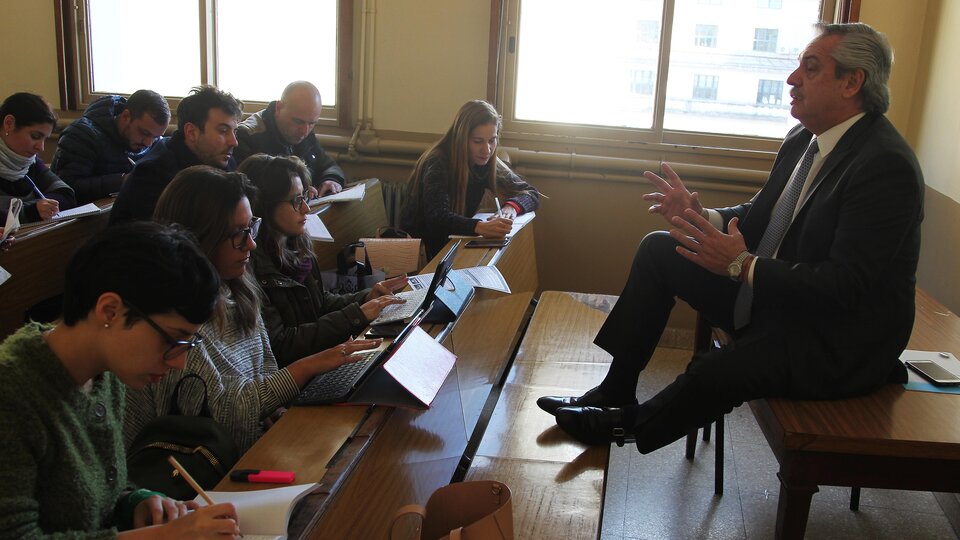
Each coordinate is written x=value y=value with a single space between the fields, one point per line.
x=843 y=282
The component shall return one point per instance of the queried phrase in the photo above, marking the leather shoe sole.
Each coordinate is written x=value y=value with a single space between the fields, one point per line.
x=594 y=426
x=591 y=398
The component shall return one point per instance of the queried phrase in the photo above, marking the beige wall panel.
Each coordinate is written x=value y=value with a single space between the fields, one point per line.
x=28 y=49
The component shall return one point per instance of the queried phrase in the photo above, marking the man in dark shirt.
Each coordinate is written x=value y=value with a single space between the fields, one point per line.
x=95 y=153
x=285 y=128
x=206 y=124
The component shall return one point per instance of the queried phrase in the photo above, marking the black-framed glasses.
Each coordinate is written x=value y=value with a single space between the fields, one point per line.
x=177 y=346
x=298 y=201
x=239 y=238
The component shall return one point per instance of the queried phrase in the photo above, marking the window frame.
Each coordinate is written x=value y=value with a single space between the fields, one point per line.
x=603 y=140
x=75 y=76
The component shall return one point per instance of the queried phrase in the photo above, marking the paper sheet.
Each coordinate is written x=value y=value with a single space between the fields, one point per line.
x=518 y=223
x=421 y=365
x=88 y=209
x=4 y=275
x=486 y=277
x=316 y=230
x=263 y=513
x=355 y=193
x=13 y=219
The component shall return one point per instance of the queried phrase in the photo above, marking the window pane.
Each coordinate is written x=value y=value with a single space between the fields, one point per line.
x=123 y=60
x=263 y=46
x=740 y=54
x=579 y=62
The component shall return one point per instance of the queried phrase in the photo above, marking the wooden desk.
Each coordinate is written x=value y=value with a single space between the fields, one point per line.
x=557 y=483
x=38 y=260
x=391 y=457
x=893 y=438
x=349 y=221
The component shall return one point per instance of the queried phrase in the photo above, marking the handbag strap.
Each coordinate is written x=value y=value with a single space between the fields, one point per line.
x=175 y=401
x=407 y=510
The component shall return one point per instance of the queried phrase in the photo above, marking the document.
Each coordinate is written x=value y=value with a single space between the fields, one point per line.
x=355 y=193
x=88 y=209
x=420 y=365
x=4 y=275
x=943 y=359
x=12 y=224
x=264 y=514
x=518 y=223
x=316 y=230
x=486 y=277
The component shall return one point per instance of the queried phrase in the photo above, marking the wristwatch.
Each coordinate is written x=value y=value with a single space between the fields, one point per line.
x=735 y=267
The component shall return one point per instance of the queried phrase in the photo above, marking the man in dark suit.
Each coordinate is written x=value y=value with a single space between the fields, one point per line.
x=813 y=278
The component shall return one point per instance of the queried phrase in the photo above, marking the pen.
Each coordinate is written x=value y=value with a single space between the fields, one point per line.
x=193 y=483
x=497 y=201
x=34 y=187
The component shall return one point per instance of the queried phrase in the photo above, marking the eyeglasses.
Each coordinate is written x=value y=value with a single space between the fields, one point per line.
x=239 y=238
x=177 y=346
x=298 y=201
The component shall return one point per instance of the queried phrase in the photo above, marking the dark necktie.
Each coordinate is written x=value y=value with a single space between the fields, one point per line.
x=776 y=229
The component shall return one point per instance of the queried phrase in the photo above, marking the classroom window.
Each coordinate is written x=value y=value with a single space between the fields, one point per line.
x=770 y=4
x=590 y=87
x=706 y=35
x=245 y=47
x=705 y=87
x=769 y=92
x=642 y=82
x=765 y=39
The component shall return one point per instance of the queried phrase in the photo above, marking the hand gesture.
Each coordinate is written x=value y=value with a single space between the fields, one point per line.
x=329 y=187
x=495 y=227
x=47 y=208
x=508 y=211
x=672 y=197
x=387 y=286
x=371 y=309
x=214 y=521
x=704 y=244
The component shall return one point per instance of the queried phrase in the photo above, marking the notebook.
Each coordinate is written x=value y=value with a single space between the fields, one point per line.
x=418 y=299
x=339 y=385
x=265 y=513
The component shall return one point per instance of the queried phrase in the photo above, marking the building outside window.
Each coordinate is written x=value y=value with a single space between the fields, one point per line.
x=765 y=39
x=705 y=87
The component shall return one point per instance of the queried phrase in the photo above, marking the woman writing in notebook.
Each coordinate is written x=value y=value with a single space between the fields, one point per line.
x=27 y=122
x=244 y=385
x=450 y=179
x=134 y=298
x=301 y=317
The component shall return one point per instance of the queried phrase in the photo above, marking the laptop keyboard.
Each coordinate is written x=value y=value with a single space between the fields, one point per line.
x=397 y=312
x=335 y=385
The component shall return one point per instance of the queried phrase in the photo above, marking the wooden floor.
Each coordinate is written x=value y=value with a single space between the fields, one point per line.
x=662 y=495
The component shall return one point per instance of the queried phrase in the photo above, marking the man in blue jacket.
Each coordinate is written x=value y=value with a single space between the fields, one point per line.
x=285 y=128
x=814 y=277
x=96 y=152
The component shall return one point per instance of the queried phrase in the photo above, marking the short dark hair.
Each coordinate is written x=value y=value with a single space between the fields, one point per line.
x=157 y=268
x=27 y=109
x=149 y=102
x=195 y=107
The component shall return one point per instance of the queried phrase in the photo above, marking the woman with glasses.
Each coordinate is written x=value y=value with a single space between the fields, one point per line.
x=134 y=298
x=452 y=176
x=301 y=317
x=243 y=383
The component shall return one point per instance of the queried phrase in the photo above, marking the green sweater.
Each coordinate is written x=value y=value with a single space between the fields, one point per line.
x=62 y=464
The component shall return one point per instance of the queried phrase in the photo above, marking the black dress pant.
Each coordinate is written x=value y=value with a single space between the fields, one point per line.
x=753 y=366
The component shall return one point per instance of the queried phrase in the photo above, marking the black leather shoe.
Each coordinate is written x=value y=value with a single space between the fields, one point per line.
x=592 y=398
x=594 y=426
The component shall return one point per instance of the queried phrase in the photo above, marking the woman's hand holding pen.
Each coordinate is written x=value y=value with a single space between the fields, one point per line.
x=47 y=208
x=495 y=227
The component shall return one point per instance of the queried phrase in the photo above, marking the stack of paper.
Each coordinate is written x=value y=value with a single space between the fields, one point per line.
x=353 y=194
x=264 y=513
x=316 y=230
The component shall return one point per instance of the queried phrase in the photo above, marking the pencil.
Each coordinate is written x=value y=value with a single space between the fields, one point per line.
x=186 y=476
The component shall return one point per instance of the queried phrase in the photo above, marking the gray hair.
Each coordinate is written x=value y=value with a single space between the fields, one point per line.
x=862 y=47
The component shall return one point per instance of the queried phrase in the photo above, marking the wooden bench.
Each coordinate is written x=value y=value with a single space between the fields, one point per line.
x=891 y=439
x=557 y=484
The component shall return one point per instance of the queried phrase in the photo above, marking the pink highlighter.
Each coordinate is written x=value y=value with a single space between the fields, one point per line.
x=262 y=477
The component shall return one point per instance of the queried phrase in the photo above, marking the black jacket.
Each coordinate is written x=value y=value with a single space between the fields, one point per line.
x=140 y=192
x=259 y=134
x=91 y=155
x=48 y=183
x=303 y=318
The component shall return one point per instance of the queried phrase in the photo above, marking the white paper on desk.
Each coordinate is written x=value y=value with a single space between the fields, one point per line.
x=316 y=230
x=263 y=513
x=88 y=209
x=13 y=219
x=4 y=275
x=485 y=277
x=949 y=363
x=518 y=222
x=355 y=193
x=420 y=365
